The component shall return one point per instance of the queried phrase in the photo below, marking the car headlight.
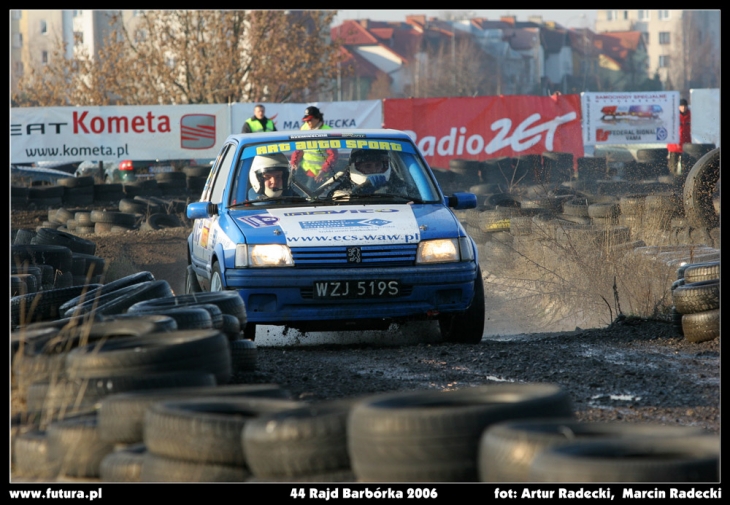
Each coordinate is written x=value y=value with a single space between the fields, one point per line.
x=438 y=251
x=270 y=255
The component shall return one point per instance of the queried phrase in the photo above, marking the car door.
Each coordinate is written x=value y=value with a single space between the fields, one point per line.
x=202 y=245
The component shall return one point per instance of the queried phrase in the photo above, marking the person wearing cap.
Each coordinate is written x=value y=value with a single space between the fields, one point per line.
x=316 y=164
x=678 y=161
x=258 y=122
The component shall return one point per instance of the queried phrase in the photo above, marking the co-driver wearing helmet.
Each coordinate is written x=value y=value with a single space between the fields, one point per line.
x=269 y=177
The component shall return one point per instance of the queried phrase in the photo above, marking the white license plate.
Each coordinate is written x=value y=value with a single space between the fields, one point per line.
x=356 y=289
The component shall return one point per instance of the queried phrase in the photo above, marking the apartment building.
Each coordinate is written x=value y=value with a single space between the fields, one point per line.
x=35 y=35
x=671 y=38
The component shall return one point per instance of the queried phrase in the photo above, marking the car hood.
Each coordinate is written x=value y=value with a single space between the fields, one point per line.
x=346 y=225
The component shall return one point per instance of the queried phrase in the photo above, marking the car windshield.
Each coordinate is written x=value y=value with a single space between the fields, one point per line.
x=332 y=171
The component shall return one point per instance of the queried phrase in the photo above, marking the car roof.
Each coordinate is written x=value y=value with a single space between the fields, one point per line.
x=334 y=132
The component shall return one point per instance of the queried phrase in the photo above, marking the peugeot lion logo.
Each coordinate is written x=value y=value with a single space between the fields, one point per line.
x=354 y=255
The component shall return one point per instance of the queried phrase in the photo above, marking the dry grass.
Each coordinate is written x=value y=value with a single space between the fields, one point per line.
x=582 y=275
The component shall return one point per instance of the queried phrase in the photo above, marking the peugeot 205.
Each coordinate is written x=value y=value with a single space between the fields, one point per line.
x=333 y=230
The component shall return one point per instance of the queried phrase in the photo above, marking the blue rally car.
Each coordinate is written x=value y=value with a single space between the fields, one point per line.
x=330 y=230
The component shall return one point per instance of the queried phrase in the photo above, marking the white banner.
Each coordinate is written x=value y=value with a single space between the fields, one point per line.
x=136 y=132
x=630 y=118
x=288 y=116
x=705 y=107
x=163 y=132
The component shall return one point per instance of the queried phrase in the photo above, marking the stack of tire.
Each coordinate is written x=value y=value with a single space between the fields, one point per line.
x=78 y=190
x=56 y=259
x=195 y=177
x=171 y=183
x=565 y=450
x=696 y=299
x=155 y=213
x=141 y=187
x=557 y=167
x=122 y=422
x=515 y=433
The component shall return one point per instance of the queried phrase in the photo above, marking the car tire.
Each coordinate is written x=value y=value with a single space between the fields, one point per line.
x=306 y=441
x=675 y=459
x=433 y=436
x=701 y=326
x=157 y=468
x=698 y=191
x=191 y=281
x=467 y=327
x=506 y=450
x=216 y=278
x=123 y=465
x=121 y=417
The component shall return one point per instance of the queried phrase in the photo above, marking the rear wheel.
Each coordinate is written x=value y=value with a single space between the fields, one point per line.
x=467 y=327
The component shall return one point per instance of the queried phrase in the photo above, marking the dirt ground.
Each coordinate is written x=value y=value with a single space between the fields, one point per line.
x=632 y=370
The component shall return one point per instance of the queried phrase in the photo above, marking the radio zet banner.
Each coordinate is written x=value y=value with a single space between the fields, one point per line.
x=630 y=118
x=479 y=128
x=117 y=132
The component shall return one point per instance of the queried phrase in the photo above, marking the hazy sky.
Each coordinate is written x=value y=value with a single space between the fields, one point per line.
x=566 y=17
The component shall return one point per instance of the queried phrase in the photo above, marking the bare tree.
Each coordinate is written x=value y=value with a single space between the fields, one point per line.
x=189 y=57
x=695 y=62
x=455 y=68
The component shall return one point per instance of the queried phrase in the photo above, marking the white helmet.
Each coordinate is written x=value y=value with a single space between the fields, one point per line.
x=377 y=178
x=264 y=163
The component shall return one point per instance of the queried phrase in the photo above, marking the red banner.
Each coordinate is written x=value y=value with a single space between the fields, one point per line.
x=486 y=127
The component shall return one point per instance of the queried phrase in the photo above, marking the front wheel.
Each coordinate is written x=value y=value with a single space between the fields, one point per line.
x=466 y=327
x=216 y=280
x=191 y=281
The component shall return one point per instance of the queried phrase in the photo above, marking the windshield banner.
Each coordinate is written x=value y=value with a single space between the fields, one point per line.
x=347 y=225
x=480 y=128
x=630 y=118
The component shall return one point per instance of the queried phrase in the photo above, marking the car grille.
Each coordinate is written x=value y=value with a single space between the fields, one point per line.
x=370 y=255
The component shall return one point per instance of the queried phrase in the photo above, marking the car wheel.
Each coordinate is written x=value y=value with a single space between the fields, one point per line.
x=467 y=327
x=191 y=281
x=216 y=280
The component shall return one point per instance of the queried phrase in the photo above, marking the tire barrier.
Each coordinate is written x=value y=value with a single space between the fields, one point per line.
x=507 y=450
x=696 y=299
x=433 y=436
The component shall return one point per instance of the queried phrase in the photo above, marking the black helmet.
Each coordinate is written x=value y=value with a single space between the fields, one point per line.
x=312 y=112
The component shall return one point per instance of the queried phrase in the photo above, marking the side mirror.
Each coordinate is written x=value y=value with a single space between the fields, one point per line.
x=199 y=210
x=461 y=201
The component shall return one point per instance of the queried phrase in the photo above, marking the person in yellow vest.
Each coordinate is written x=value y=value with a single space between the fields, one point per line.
x=258 y=122
x=316 y=164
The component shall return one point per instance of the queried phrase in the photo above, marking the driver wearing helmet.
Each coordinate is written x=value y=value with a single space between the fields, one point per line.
x=269 y=177
x=369 y=169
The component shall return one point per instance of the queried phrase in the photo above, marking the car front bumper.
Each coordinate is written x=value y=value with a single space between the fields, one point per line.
x=284 y=296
